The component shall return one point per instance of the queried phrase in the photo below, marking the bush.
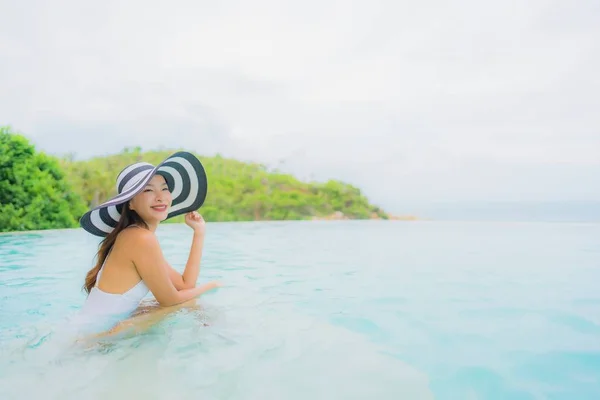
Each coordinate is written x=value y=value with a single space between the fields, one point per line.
x=34 y=193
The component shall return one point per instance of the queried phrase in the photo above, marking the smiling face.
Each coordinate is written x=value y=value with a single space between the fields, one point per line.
x=153 y=202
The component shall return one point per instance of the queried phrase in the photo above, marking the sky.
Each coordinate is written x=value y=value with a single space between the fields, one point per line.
x=413 y=102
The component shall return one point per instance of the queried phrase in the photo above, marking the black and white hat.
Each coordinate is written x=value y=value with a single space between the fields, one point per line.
x=185 y=177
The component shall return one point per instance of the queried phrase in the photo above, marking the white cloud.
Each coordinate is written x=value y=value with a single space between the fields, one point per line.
x=408 y=100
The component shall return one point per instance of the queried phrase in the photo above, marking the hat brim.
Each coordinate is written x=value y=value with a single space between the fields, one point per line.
x=187 y=181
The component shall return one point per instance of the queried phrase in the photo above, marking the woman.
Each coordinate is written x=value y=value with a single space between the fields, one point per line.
x=130 y=263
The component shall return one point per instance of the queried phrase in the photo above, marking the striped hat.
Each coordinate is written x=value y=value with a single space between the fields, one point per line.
x=185 y=177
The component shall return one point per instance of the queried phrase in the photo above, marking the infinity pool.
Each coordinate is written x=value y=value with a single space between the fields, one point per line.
x=344 y=310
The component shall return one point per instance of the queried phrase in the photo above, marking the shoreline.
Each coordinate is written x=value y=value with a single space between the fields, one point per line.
x=397 y=220
x=312 y=219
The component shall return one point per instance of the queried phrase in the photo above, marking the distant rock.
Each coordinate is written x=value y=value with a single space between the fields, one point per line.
x=340 y=216
x=336 y=216
x=403 y=217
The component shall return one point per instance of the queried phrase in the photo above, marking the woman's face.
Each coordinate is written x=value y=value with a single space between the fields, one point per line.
x=152 y=203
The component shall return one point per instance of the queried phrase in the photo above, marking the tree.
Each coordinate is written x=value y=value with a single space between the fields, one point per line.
x=34 y=193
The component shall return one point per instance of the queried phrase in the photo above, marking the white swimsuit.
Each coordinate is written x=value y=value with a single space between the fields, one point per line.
x=102 y=310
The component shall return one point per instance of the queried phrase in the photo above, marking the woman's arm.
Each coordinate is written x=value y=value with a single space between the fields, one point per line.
x=188 y=279
x=149 y=262
x=141 y=322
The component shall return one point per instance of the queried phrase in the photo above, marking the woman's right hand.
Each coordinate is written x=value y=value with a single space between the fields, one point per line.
x=195 y=221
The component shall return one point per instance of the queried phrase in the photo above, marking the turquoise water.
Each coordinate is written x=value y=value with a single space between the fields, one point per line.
x=352 y=310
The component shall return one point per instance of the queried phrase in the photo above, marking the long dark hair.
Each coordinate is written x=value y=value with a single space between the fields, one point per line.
x=128 y=218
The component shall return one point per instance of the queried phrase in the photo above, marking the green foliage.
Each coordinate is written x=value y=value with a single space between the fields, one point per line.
x=41 y=192
x=34 y=193
x=237 y=191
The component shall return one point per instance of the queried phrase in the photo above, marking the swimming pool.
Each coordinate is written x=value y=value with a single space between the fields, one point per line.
x=349 y=310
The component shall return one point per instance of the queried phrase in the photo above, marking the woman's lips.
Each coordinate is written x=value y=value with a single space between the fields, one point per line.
x=160 y=208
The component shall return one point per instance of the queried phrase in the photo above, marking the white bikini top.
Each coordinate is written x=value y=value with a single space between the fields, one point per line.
x=99 y=302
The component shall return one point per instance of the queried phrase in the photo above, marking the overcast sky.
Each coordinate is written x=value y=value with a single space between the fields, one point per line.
x=412 y=101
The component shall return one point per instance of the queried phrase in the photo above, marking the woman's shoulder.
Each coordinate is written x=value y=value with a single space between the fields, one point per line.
x=140 y=246
x=138 y=238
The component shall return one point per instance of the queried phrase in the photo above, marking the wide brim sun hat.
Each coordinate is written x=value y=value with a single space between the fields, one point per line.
x=185 y=176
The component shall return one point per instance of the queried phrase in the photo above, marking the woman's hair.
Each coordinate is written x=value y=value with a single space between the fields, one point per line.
x=128 y=217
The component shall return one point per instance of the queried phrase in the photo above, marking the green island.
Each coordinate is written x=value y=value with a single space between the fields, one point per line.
x=39 y=191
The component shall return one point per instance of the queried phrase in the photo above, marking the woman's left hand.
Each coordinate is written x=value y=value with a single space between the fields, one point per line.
x=195 y=221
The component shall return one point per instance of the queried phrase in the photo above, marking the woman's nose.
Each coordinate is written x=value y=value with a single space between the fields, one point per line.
x=162 y=197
